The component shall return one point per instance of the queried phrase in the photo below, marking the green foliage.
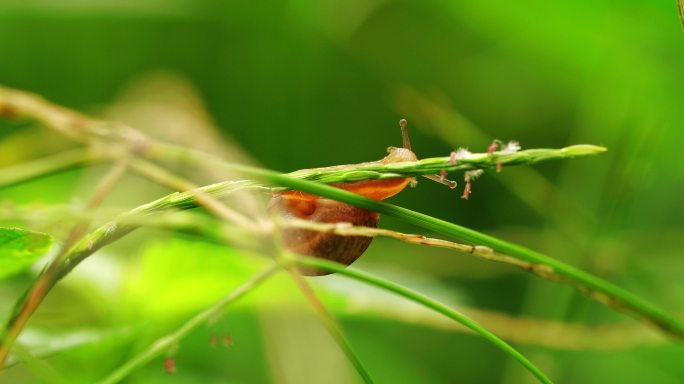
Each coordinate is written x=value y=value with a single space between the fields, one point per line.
x=166 y=269
x=297 y=84
x=19 y=248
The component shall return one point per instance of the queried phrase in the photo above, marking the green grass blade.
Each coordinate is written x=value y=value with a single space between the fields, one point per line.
x=596 y=288
x=424 y=301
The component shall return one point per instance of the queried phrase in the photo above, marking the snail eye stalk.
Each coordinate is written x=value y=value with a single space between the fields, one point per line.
x=403 y=124
x=404 y=133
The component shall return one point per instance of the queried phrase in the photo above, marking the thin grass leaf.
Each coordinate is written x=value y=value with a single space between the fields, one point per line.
x=423 y=300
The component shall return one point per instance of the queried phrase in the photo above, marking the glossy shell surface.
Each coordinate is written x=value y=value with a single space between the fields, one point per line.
x=342 y=249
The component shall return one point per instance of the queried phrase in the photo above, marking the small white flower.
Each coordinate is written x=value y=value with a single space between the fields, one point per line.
x=472 y=175
x=459 y=154
x=462 y=153
x=511 y=147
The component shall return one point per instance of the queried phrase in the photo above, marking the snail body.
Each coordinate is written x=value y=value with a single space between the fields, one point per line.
x=329 y=246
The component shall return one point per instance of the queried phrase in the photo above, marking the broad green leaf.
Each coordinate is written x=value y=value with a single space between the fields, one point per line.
x=19 y=248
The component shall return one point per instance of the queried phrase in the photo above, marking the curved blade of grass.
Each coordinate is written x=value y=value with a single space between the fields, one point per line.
x=596 y=288
x=423 y=300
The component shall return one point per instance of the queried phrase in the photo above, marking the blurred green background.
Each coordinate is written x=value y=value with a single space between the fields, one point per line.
x=301 y=84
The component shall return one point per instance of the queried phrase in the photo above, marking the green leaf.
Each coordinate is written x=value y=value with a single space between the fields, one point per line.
x=19 y=248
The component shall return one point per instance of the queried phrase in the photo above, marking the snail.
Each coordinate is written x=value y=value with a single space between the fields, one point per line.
x=341 y=249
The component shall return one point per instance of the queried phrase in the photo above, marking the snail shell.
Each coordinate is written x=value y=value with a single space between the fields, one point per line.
x=342 y=249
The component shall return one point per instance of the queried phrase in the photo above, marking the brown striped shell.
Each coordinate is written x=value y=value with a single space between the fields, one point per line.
x=342 y=249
